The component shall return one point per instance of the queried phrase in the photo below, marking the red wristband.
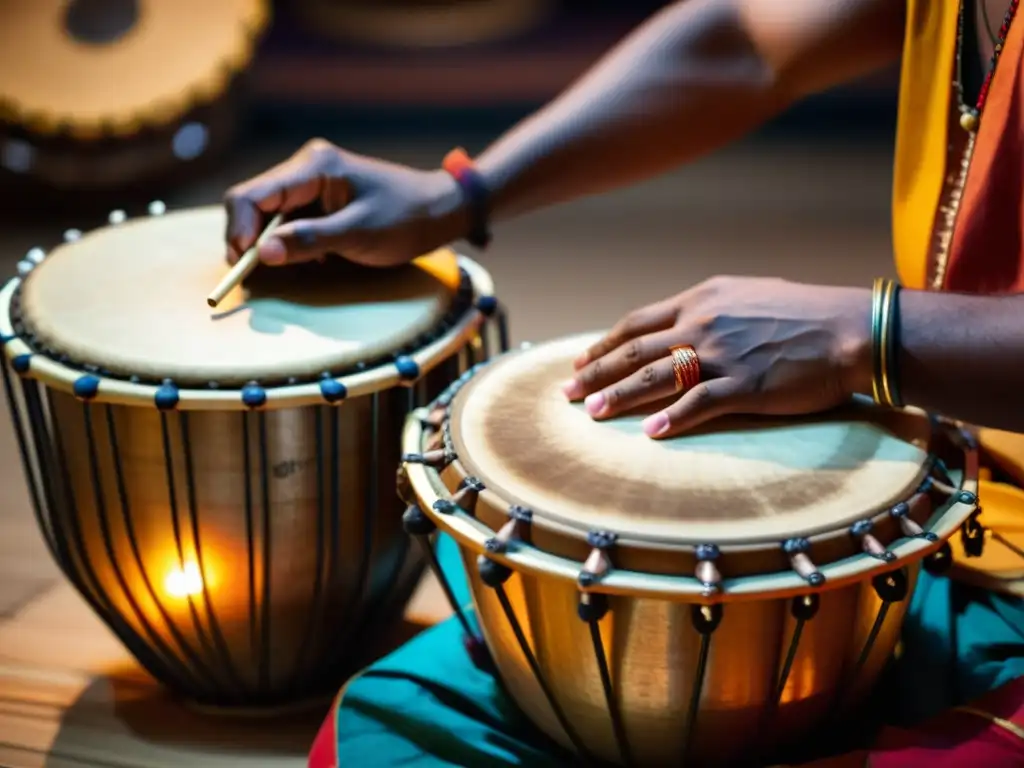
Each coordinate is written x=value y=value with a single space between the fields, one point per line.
x=458 y=164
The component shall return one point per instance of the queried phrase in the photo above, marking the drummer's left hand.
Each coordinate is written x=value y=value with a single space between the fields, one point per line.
x=766 y=346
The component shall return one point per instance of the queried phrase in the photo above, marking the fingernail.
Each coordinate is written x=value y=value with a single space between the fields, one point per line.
x=595 y=403
x=655 y=425
x=273 y=251
x=571 y=389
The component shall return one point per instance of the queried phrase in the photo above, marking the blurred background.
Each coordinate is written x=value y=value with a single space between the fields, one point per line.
x=407 y=80
x=109 y=105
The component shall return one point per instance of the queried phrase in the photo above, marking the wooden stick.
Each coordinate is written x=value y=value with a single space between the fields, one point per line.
x=243 y=267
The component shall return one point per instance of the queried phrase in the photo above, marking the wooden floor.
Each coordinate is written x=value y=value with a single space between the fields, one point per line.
x=70 y=696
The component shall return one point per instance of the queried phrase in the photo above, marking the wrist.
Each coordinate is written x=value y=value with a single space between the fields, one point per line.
x=447 y=208
x=475 y=193
x=854 y=355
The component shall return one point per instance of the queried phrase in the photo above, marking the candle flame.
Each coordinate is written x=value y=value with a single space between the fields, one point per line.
x=186 y=581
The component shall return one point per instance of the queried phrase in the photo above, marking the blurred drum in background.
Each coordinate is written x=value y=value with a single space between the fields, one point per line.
x=110 y=94
x=219 y=485
x=422 y=23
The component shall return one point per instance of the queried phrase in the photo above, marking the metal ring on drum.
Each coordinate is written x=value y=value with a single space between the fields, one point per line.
x=734 y=589
x=219 y=485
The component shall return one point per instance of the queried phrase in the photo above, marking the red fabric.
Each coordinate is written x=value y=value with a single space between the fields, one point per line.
x=986 y=251
x=954 y=739
x=324 y=753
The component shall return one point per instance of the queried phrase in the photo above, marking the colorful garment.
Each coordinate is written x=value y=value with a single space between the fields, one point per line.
x=428 y=705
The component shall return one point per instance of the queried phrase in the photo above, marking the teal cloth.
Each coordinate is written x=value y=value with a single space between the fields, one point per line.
x=427 y=704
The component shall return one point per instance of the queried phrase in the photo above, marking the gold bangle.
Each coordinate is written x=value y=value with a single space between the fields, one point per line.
x=877 y=290
x=883 y=342
x=886 y=340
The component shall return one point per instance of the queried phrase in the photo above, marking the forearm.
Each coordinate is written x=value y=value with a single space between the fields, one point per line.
x=697 y=75
x=963 y=357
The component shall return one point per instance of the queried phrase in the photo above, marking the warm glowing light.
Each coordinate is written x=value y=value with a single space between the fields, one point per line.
x=185 y=581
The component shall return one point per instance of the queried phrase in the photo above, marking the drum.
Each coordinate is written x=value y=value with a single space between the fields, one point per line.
x=104 y=94
x=423 y=23
x=698 y=600
x=219 y=484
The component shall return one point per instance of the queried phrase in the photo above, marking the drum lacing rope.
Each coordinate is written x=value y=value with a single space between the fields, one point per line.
x=591 y=608
x=891 y=587
x=494 y=575
x=802 y=608
x=706 y=619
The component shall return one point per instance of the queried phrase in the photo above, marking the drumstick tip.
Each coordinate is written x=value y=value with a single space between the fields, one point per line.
x=245 y=265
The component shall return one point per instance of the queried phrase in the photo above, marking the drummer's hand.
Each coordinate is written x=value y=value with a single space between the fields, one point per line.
x=378 y=213
x=766 y=346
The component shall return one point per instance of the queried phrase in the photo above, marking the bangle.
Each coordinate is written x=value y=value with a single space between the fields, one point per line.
x=885 y=326
x=461 y=168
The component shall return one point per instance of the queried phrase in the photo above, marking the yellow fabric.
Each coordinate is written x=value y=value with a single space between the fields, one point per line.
x=920 y=166
x=443 y=265
x=928 y=53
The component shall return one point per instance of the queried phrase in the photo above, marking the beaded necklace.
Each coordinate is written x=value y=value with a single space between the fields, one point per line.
x=970 y=120
x=970 y=117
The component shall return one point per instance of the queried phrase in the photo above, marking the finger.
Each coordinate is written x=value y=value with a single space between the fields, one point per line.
x=652 y=382
x=649 y=319
x=306 y=177
x=708 y=400
x=620 y=363
x=309 y=239
x=285 y=187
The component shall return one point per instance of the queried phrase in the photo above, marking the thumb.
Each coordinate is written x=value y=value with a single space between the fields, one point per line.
x=708 y=400
x=309 y=239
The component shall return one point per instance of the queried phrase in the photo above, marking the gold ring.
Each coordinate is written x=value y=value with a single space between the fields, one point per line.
x=685 y=367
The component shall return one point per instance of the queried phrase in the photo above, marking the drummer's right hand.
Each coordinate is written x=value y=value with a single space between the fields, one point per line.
x=377 y=213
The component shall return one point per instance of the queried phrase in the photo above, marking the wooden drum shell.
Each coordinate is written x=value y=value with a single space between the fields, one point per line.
x=654 y=652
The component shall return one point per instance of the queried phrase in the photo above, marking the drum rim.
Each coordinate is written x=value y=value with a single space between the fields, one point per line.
x=426 y=488
x=47 y=121
x=400 y=370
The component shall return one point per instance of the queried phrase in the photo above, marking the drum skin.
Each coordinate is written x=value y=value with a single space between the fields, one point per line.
x=610 y=645
x=245 y=543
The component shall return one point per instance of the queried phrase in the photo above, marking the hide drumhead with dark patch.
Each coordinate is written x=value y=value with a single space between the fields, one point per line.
x=738 y=480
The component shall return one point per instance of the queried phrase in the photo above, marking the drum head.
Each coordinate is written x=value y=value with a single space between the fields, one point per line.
x=131 y=300
x=93 y=67
x=738 y=481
